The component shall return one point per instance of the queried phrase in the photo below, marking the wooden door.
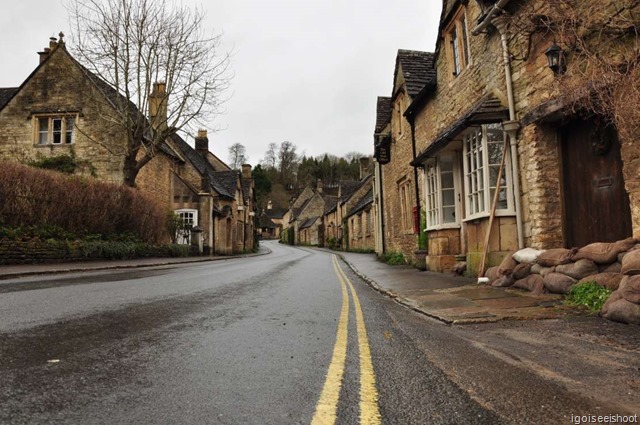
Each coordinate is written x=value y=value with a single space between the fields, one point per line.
x=596 y=204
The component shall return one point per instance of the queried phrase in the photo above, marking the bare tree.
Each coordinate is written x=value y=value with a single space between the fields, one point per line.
x=287 y=161
x=270 y=160
x=237 y=156
x=602 y=45
x=149 y=56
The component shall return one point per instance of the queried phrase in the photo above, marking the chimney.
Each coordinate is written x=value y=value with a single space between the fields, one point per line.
x=246 y=171
x=202 y=142
x=364 y=167
x=320 y=186
x=53 y=43
x=158 y=100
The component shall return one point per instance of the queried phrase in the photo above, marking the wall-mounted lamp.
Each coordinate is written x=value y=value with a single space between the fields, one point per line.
x=555 y=56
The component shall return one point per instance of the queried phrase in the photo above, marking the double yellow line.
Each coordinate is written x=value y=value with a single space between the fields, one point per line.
x=327 y=407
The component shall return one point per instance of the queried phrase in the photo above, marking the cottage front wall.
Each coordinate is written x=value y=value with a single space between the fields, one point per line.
x=58 y=88
x=397 y=174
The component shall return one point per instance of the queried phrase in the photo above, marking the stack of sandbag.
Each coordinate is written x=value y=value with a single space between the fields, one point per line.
x=624 y=303
x=558 y=270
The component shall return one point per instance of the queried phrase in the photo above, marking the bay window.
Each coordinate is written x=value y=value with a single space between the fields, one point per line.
x=482 y=157
x=441 y=192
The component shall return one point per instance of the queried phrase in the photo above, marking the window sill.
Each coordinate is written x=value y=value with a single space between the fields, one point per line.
x=52 y=145
x=484 y=215
x=448 y=226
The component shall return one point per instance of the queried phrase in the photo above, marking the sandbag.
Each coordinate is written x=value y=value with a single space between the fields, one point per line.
x=555 y=257
x=608 y=280
x=615 y=296
x=622 y=311
x=603 y=252
x=542 y=270
x=631 y=263
x=533 y=283
x=558 y=283
x=507 y=265
x=503 y=281
x=579 y=269
x=611 y=268
x=521 y=271
x=527 y=255
x=492 y=273
x=630 y=288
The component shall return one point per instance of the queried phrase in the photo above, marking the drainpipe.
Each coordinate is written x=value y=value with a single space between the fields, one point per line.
x=512 y=126
x=381 y=207
x=411 y=119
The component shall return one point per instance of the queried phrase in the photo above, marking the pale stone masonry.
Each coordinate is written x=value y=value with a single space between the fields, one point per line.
x=567 y=181
x=59 y=109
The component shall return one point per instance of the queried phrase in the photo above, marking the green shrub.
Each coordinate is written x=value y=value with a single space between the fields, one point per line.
x=393 y=258
x=588 y=294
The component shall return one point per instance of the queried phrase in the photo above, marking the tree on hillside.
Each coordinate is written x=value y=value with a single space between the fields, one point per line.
x=237 y=156
x=270 y=160
x=287 y=162
x=263 y=185
x=157 y=58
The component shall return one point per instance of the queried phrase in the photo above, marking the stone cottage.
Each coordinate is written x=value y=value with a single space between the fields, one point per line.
x=399 y=191
x=59 y=110
x=507 y=156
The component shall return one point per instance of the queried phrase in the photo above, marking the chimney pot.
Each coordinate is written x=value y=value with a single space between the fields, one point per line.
x=53 y=42
x=202 y=142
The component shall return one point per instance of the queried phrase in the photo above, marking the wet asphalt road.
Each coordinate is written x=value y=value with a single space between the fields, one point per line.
x=244 y=341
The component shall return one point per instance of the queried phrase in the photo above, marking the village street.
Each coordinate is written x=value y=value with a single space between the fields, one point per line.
x=250 y=340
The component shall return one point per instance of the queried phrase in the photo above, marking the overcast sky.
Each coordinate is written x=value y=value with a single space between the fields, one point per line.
x=306 y=71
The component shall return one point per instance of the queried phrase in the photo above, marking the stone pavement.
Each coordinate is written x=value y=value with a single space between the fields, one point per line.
x=455 y=299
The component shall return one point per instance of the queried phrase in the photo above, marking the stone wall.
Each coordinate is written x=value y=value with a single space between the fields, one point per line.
x=397 y=238
x=59 y=88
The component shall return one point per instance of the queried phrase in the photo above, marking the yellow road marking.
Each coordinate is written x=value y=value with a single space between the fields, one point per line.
x=327 y=407
x=369 y=410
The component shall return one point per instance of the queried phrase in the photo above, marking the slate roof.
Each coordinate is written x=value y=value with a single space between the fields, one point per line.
x=308 y=223
x=348 y=188
x=227 y=180
x=487 y=110
x=417 y=69
x=265 y=222
x=366 y=200
x=6 y=94
x=219 y=181
x=383 y=113
x=330 y=203
x=276 y=212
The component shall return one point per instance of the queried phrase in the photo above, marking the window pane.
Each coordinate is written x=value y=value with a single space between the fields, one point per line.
x=57 y=130
x=43 y=130
x=465 y=45
x=456 y=52
x=447 y=180
x=448 y=197
x=69 y=128
x=449 y=215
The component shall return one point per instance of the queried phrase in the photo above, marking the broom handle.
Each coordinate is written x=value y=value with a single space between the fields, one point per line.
x=493 y=206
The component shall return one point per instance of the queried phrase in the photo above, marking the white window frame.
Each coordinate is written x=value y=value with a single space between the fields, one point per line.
x=434 y=202
x=47 y=137
x=185 y=238
x=478 y=200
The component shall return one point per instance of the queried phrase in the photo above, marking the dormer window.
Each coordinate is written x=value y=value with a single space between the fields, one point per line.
x=458 y=42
